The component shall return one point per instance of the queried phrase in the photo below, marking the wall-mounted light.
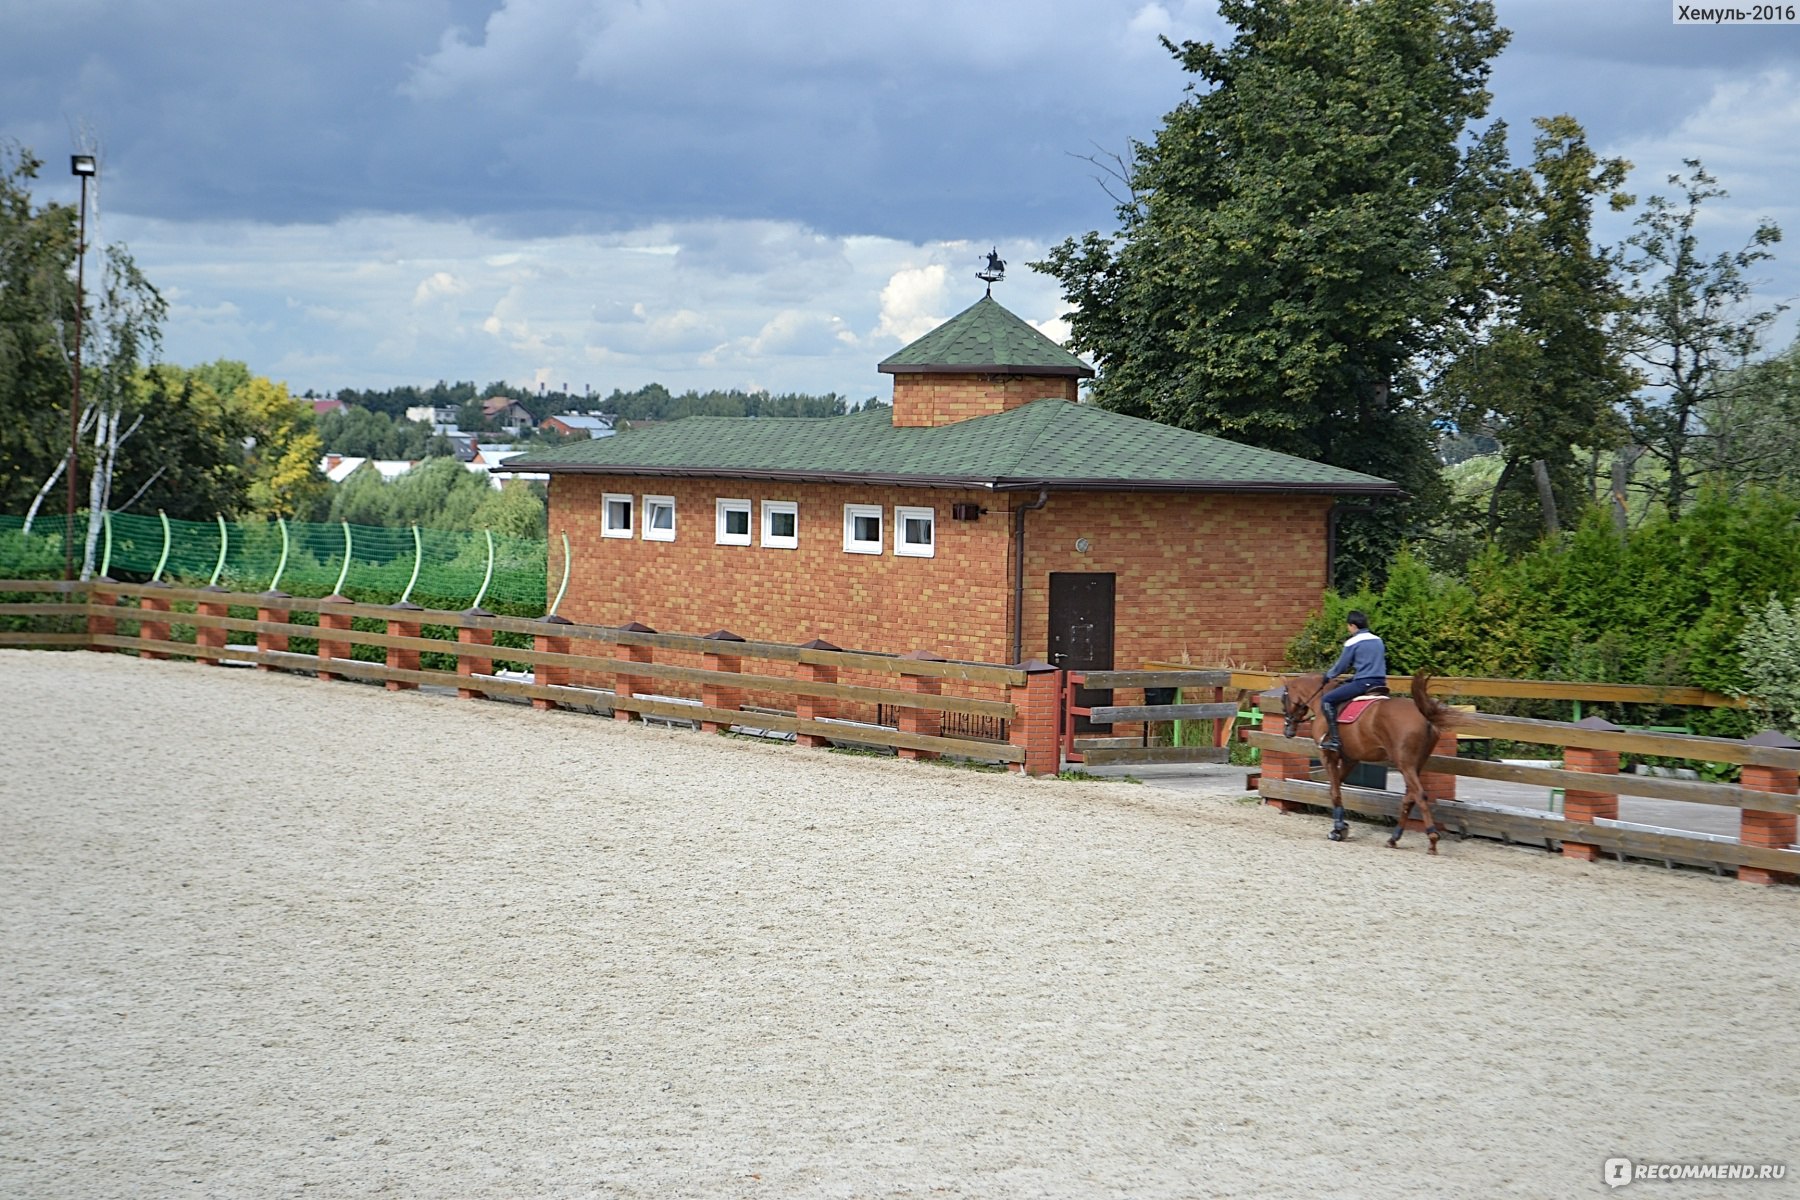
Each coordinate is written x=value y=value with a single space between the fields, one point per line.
x=965 y=512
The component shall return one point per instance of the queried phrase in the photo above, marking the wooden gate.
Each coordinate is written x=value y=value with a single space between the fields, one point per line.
x=1092 y=748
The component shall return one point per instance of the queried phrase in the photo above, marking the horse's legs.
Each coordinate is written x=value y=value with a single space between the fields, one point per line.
x=1415 y=793
x=1335 y=768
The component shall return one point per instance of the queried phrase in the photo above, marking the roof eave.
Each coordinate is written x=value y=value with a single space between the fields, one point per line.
x=893 y=368
x=1373 y=488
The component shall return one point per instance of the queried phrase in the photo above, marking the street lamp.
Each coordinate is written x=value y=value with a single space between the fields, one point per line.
x=83 y=167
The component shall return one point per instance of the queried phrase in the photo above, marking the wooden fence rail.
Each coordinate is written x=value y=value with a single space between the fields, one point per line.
x=1768 y=798
x=567 y=661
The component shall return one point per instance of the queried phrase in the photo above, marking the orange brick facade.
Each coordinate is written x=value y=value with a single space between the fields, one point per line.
x=1219 y=578
x=943 y=398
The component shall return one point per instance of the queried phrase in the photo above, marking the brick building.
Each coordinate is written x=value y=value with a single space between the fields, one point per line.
x=986 y=516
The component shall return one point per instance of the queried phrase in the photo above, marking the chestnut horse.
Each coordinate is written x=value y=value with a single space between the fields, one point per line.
x=1391 y=731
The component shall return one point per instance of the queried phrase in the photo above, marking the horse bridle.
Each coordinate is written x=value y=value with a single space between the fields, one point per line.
x=1290 y=721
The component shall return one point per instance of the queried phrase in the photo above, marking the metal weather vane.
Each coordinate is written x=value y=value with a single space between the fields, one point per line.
x=994 y=272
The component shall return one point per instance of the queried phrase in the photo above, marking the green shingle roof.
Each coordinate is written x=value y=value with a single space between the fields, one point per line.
x=1047 y=443
x=985 y=337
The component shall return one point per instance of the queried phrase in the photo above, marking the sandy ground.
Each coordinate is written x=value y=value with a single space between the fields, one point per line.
x=266 y=936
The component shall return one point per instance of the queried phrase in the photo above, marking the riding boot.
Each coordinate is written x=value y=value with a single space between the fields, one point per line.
x=1331 y=728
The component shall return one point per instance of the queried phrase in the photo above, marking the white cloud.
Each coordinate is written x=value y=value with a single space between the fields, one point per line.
x=912 y=303
x=437 y=286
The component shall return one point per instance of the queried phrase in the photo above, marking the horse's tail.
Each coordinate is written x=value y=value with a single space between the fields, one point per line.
x=1437 y=714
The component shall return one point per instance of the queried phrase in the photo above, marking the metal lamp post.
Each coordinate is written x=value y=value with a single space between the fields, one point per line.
x=83 y=167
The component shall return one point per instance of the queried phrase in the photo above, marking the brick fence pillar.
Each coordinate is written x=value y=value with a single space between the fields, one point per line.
x=549 y=676
x=330 y=622
x=926 y=721
x=1441 y=785
x=715 y=695
x=211 y=637
x=100 y=622
x=152 y=630
x=1586 y=806
x=627 y=686
x=266 y=642
x=399 y=659
x=1279 y=764
x=1037 y=721
x=1759 y=828
x=815 y=708
x=465 y=665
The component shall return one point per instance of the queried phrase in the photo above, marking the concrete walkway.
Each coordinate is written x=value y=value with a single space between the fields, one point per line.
x=1213 y=779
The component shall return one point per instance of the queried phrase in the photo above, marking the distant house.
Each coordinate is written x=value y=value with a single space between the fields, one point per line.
x=588 y=425
x=489 y=459
x=986 y=515
x=434 y=415
x=337 y=467
x=321 y=407
x=507 y=413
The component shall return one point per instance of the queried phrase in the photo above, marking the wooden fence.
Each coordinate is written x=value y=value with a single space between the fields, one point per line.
x=1767 y=798
x=816 y=691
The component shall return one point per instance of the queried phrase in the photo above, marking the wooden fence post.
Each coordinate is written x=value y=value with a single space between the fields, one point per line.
x=1279 y=764
x=1759 y=828
x=627 y=686
x=399 y=659
x=469 y=636
x=1037 y=722
x=1589 y=806
x=266 y=642
x=815 y=708
x=101 y=601
x=211 y=637
x=927 y=721
x=715 y=695
x=549 y=643
x=153 y=630
x=328 y=649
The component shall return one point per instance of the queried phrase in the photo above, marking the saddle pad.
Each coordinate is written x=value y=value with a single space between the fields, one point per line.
x=1354 y=708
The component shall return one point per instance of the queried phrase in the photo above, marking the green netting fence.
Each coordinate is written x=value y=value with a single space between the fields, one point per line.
x=433 y=568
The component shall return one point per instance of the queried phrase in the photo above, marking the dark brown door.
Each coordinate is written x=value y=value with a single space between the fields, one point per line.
x=1081 y=631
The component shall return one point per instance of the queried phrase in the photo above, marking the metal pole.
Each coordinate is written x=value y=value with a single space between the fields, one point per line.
x=75 y=406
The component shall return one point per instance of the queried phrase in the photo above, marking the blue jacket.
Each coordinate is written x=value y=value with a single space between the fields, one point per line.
x=1364 y=658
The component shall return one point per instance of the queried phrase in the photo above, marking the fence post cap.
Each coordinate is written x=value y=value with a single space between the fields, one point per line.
x=924 y=656
x=553 y=619
x=1033 y=666
x=637 y=627
x=274 y=595
x=406 y=606
x=721 y=635
x=336 y=598
x=1773 y=738
x=475 y=612
x=1598 y=724
x=819 y=644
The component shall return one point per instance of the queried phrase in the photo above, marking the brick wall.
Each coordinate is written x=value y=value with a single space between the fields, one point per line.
x=943 y=399
x=1223 y=578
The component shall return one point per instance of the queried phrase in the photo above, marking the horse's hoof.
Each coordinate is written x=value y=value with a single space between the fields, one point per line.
x=1393 y=843
x=1337 y=835
x=1432 y=849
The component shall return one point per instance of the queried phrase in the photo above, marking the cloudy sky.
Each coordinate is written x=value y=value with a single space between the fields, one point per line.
x=712 y=193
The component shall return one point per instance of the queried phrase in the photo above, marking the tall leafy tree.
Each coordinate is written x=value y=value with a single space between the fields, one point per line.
x=37 y=304
x=1538 y=366
x=1694 y=322
x=1288 y=247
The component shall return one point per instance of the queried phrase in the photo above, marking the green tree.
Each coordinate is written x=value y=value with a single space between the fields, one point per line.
x=1754 y=420
x=37 y=303
x=1289 y=247
x=1538 y=366
x=1693 y=324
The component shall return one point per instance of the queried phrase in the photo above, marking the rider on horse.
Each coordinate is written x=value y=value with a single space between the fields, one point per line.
x=1365 y=660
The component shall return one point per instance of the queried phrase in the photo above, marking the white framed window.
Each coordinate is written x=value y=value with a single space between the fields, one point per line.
x=659 y=518
x=781 y=524
x=915 y=532
x=733 y=523
x=615 y=516
x=862 y=528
